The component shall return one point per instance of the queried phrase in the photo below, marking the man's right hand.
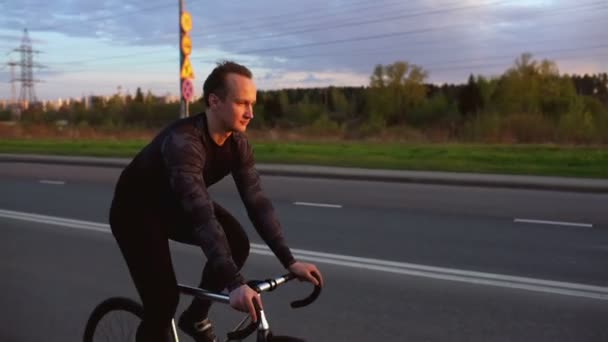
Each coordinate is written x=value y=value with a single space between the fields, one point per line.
x=242 y=299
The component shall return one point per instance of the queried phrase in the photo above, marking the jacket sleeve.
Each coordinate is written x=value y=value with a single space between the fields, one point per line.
x=184 y=158
x=259 y=207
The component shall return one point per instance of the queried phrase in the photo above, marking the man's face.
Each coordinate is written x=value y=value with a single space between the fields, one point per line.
x=236 y=110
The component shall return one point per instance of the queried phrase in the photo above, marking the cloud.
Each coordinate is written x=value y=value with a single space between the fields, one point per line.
x=300 y=79
x=8 y=37
x=311 y=78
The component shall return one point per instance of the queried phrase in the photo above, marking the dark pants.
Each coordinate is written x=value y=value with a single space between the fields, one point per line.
x=144 y=242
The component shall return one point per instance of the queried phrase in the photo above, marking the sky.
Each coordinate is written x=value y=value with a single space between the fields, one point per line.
x=101 y=47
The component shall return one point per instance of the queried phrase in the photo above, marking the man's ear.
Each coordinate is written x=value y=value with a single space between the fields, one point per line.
x=214 y=100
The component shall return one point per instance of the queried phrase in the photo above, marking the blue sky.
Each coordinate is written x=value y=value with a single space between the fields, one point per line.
x=93 y=47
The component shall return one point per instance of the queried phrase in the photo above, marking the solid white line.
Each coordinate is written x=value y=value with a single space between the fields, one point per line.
x=472 y=277
x=571 y=290
x=44 y=181
x=54 y=220
x=555 y=223
x=322 y=205
x=433 y=269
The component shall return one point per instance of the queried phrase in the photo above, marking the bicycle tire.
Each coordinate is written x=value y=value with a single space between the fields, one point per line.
x=112 y=307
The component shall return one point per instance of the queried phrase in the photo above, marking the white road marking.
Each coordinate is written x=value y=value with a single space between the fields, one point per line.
x=471 y=277
x=554 y=223
x=322 y=205
x=57 y=221
x=44 y=181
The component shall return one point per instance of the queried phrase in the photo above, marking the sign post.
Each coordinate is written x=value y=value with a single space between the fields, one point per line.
x=186 y=71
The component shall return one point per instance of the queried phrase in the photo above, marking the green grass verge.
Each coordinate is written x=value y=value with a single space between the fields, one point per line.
x=508 y=159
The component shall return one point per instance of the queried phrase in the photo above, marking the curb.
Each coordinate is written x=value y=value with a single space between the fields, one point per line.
x=327 y=172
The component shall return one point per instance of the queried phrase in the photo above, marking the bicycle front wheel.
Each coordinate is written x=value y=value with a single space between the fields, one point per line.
x=115 y=319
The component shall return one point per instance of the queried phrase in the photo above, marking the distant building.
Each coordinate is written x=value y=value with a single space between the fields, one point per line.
x=53 y=104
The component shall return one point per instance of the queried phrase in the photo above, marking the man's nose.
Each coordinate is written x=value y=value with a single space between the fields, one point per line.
x=249 y=112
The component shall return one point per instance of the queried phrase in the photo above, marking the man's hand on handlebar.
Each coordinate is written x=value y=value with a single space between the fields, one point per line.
x=307 y=272
x=242 y=298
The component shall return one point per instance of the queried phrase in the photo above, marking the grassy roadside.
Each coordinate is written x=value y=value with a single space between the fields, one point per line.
x=589 y=162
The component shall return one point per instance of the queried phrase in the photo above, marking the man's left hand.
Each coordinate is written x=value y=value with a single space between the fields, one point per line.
x=307 y=272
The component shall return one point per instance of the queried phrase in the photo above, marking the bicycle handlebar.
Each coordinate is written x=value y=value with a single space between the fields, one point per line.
x=271 y=285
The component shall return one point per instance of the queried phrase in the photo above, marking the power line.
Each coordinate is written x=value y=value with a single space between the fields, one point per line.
x=410 y=46
x=164 y=6
x=156 y=62
x=326 y=43
x=373 y=21
x=140 y=11
x=315 y=15
x=318 y=27
x=371 y=37
x=475 y=68
x=427 y=43
x=163 y=49
x=448 y=65
x=248 y=29
x=582 y=51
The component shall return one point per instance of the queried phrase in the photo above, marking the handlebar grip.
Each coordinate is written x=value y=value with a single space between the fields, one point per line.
x=308 y=300
x=248 y=330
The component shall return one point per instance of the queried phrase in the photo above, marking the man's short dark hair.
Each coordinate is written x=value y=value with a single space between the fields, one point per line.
x=216 y=81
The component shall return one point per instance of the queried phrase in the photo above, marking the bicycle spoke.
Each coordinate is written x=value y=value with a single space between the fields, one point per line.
x=116 y=327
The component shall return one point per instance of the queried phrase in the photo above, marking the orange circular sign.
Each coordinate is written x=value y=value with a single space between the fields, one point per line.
x=186 y=21
x=186 y=44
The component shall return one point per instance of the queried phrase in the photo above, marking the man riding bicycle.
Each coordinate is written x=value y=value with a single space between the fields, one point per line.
x=162 y=194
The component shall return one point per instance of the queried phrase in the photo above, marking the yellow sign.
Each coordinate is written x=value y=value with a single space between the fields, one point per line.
x=187 y=70
x=186 y=44
x=186 y=21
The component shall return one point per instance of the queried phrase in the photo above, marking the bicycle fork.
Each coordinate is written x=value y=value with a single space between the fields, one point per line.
x=263 y=328
x=174 y=331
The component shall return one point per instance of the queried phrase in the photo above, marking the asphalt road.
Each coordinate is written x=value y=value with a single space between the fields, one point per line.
x=403 y=262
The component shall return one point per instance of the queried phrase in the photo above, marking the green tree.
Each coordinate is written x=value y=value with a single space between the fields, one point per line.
x=436 y=110
x=139 y=95
x=470 y=99
x=487 y=88
x=532 y=87
x=5 y=115
x=340 y=108
x=377 y=80
x=305 y=112
x=395 y=89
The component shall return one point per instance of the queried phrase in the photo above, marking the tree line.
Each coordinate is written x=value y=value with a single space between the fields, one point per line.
x=530 y=102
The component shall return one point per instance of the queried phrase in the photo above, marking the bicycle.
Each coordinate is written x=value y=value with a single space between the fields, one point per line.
x=114 y=306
